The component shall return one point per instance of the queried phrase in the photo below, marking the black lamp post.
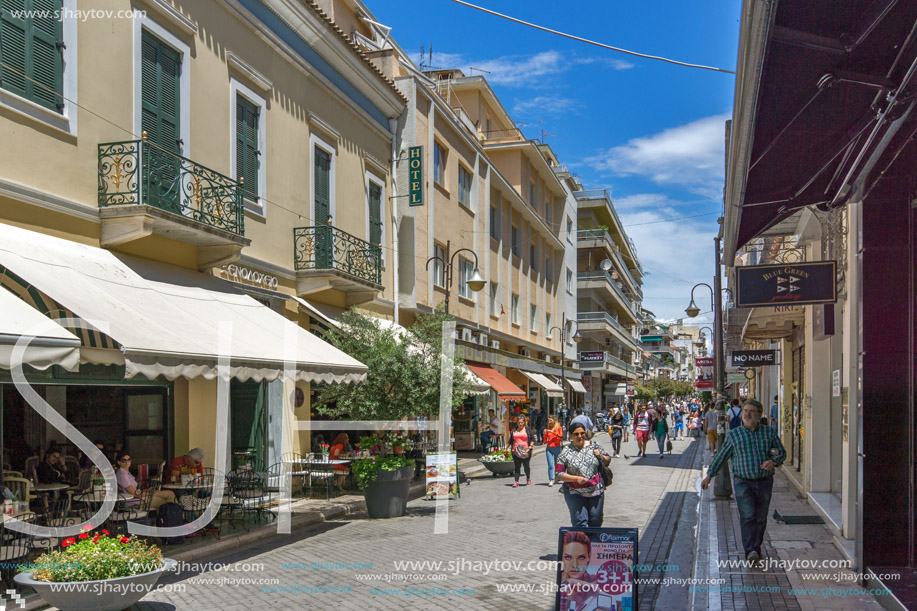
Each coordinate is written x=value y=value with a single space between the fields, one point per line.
x=577 y=338
x=475 y=283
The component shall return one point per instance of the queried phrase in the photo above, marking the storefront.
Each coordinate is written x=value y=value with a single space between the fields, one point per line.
x=510 y=399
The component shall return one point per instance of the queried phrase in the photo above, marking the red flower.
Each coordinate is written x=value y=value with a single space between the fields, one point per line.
x=71 y=540
x=124 y=539
x=65 y=543
x=95 y=539
x=84 y=536
x=105 y=532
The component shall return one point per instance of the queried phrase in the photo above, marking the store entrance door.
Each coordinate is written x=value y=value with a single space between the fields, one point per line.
x=247 y=423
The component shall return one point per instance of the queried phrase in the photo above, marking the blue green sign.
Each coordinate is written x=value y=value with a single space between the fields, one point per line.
x=415 y=169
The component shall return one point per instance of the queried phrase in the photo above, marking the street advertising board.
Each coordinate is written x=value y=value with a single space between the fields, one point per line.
x=596 y=569
x=704 y=368
x=442 y=476
x=753 y=358
x=631 y=388
x=787 y=284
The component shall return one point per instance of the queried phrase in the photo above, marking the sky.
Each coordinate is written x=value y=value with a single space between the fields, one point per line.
x=649 y=132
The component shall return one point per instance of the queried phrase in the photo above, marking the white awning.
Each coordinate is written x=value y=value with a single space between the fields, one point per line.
x=576 y=385
x=553 y=389
x=315 y=312
x=168 y=320
x=51 y=344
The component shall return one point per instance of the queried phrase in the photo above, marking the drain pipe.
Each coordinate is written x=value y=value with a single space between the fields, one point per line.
x=393 y=127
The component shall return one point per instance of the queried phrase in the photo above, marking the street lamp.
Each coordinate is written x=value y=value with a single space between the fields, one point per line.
x=577 y=338
x=476 y=282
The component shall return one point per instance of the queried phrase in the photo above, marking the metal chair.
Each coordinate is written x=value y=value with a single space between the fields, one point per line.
x=30 y=464
x=292 y=462
x=320 y=472
x=15 y=547
x=247 y=489
x=195 y=498
x=21 y=487
x=131 y=512
x=57 y=515
x=73 y=468
x=10 y=473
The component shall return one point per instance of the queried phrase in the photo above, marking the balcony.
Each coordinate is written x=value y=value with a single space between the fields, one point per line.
x=599 y=238
x=145 y=190
x=611 y=364
x=326 y=258
x=600 y=279
x=603 y=322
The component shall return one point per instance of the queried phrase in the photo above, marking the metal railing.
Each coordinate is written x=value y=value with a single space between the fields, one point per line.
x=601 y=274
x=601 y=234
x=560 y=169
x=603 y=194
x=327 y=247
x=139 y=172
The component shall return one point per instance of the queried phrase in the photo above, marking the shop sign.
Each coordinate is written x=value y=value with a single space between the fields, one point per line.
x=631 y=388
x=415 y=169
x=753 y=358
x=791 y=284
x=836 y=383
x=607 y=579
x=735 y=378
x=442 y=476
x=244 y=275
x=592 y=357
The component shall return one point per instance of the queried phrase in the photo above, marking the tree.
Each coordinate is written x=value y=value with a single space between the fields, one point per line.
x=404 y=369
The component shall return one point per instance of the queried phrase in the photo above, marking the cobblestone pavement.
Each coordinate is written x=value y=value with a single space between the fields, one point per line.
x=351 y=564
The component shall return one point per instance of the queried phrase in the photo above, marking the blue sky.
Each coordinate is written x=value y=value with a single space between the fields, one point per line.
x=651 y=133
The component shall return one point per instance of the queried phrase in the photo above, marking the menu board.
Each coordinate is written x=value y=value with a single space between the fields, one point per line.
x=596 y=569
x=442 y=476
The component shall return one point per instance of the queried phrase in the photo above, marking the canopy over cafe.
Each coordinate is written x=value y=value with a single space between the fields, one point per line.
x=127 y=350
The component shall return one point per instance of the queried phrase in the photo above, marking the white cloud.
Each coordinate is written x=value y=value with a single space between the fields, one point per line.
x=614 y=64
x=688 y=155
x=546 y=105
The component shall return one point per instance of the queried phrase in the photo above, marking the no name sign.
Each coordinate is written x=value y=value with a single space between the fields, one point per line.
x=753 y=358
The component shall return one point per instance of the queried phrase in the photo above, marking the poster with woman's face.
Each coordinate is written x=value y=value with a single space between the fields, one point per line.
x=596 y=569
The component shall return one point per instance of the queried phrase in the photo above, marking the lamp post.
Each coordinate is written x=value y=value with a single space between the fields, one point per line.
x=719 y=369
x=577 y=338
x=476 y=282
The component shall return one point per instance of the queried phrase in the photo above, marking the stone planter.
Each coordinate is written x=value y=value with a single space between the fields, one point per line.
x=100 y=595
x=387 y=497
x=503 y=467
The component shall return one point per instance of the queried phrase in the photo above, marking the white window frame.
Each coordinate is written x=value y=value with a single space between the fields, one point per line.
x=514 y=309
x=533 y=322
x=547 y=325
x=379 y=182
x=570 y=280
x=570 y=230
x=237 y=89
x=143 y=22
x=439 y=265
x=436 y=166
x=66 y=120
x=316 y=141
x=458 y=196
x=492 y=298
x=466 y=270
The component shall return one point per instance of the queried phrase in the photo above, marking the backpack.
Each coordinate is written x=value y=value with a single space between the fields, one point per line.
x=168 y=515
x=735 y=418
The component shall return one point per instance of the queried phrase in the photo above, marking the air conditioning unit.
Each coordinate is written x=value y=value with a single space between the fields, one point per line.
x=547 y=357
x=524 y=352
x=482 y=339
x=467 y=335
x=495 y=345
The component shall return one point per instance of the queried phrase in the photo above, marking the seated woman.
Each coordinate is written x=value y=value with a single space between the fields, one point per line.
x=52 y=469
x=337 y=448
x=127 y=484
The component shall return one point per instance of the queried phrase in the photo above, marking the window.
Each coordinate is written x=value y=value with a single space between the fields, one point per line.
x=494 y=223
x=247 y=153
x=514 y=309
x=548 y=270
x=569 y=229
x=465 y=271
x=493 y=299
x=160 y=93
x=374 y=201
x=533 y=313
x=439 y=164
x=532 y=195
x=464 y=187
x=31 y=47
x=516 y=242
x=322 y=187
x=533 y=257
x=569 y=281
x=439 y=277
x=547 y=324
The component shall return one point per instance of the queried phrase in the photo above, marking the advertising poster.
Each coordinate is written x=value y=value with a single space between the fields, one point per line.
x=442 y=476
x=704 y=368
x=596 y=569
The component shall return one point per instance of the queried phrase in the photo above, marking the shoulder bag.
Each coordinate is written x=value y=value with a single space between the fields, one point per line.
x=607 y=474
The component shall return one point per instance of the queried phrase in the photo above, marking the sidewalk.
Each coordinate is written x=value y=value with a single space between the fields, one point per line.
x=732 y=586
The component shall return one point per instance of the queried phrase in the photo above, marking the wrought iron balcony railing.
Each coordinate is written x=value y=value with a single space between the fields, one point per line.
x=142 y=173
x=325 y=247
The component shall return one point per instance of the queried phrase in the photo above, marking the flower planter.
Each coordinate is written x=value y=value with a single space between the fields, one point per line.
x=502 y=467
x=387 y=497
x=100 y=595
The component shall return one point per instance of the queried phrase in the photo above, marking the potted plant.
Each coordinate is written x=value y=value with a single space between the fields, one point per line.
x=385 y=482
x=116 y=572
x=398 y=444
x=498 y=462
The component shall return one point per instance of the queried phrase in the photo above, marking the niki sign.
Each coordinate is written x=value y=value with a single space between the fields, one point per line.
x=789 y=284
x=415 y=169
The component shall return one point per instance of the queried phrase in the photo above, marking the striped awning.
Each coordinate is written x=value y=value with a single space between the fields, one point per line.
x=44 y=342
x=550 y=387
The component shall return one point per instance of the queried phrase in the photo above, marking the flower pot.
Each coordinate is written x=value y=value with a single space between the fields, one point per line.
x=100 y=595
x=503 y=467
x=387 y=497
x=396 y=450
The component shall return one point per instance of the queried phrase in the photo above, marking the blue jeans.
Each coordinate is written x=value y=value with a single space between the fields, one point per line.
x=753 y=498
x=585 y=510
x=552 y=454
x=485 y=440
x=660 y=440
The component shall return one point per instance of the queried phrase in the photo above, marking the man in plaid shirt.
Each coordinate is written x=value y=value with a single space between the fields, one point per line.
x=755 y=452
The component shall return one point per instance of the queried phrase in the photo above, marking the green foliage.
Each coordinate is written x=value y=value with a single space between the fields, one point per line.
x=365 y=470
x=404 y=370
x=91 y=557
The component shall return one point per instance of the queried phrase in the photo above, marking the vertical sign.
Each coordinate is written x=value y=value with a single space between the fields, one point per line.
x=415 y=168
x=836 y=383
x=442 y=476
x=597 y=569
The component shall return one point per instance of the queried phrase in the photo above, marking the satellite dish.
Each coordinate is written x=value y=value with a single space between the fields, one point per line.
x=605 y=265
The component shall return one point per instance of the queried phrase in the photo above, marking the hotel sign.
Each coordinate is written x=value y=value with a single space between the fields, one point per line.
x=790 y=284
x=415 y=168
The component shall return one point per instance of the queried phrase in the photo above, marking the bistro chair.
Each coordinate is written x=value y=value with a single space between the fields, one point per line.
x=57 y=515
x=292 y=462
x=31 y=463
x=321 y=473
x=21 y=487
x=73 y=467
x=15 y=547
x=195 y=498
x=10 y=473
x=274 y=482
x=162 y=470
x=137 y=512
x=247 y=488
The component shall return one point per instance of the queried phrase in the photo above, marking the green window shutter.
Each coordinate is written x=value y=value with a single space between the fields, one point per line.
x=322 y=186
x=375 y=214
x=160 y=93
x=31 y=49
x=247 y=146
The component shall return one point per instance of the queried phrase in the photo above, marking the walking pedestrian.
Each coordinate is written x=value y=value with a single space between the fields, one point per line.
x=521 y=441
x=642 y=429
x=541 y=421
x=616 y=431
x=660 y=430
x=553 y=439
x=734 y=415
x=628 y=414
x=678 y=418
x=755 y=451
x=775 y=412
x=711 y=417
x=579 y=468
